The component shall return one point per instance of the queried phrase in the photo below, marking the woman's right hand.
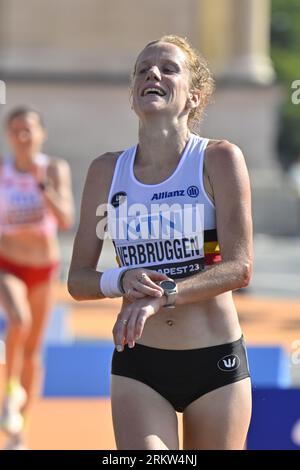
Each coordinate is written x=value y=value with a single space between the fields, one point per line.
x=139 y=283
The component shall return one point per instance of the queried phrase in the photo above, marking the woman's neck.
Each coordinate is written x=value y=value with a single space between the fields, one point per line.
x=23 y=161
x=158 y=143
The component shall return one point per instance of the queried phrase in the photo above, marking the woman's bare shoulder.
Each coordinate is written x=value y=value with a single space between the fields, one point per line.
x=103 y=166
x=222 y=147
x=99 y=177
x=220 y=152
x=107 y=159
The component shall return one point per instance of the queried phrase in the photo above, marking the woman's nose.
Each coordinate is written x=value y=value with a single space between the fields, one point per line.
x=154 y=73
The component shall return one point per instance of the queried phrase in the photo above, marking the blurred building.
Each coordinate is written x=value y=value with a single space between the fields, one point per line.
x=72 y=60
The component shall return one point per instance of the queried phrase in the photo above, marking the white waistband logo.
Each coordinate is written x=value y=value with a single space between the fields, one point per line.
x=229 y=363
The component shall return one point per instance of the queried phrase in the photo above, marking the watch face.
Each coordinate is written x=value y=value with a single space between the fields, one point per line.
x=168 y=285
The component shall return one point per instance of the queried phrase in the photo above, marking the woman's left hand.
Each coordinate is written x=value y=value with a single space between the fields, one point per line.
x=131 y=320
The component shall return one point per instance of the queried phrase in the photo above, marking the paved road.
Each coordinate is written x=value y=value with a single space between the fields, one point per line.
x=276 y=264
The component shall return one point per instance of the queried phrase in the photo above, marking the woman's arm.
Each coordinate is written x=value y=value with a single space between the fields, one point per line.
x=84 y=280
x=58 y=193
x=228 y=174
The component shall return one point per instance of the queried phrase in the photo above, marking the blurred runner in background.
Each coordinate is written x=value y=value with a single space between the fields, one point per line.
x=35 y=200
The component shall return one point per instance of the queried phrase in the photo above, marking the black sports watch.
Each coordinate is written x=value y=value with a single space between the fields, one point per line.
x=170 y=291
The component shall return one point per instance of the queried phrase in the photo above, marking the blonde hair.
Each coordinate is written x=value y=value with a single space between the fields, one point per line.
x=201 y=77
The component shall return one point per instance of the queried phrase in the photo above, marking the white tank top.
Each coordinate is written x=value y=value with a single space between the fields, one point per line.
x=22 y=205
x=170 y=226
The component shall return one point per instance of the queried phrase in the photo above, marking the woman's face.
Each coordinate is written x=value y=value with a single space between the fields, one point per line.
x=25 y=134
x=161 y=83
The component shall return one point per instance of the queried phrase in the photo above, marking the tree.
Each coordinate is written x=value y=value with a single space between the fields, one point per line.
x=285 y=52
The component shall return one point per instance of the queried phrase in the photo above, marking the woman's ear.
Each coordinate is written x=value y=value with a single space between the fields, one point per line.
x=194 y=99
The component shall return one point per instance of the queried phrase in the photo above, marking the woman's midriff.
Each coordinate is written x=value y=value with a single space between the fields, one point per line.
x=29 y=248
x=193 y=326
